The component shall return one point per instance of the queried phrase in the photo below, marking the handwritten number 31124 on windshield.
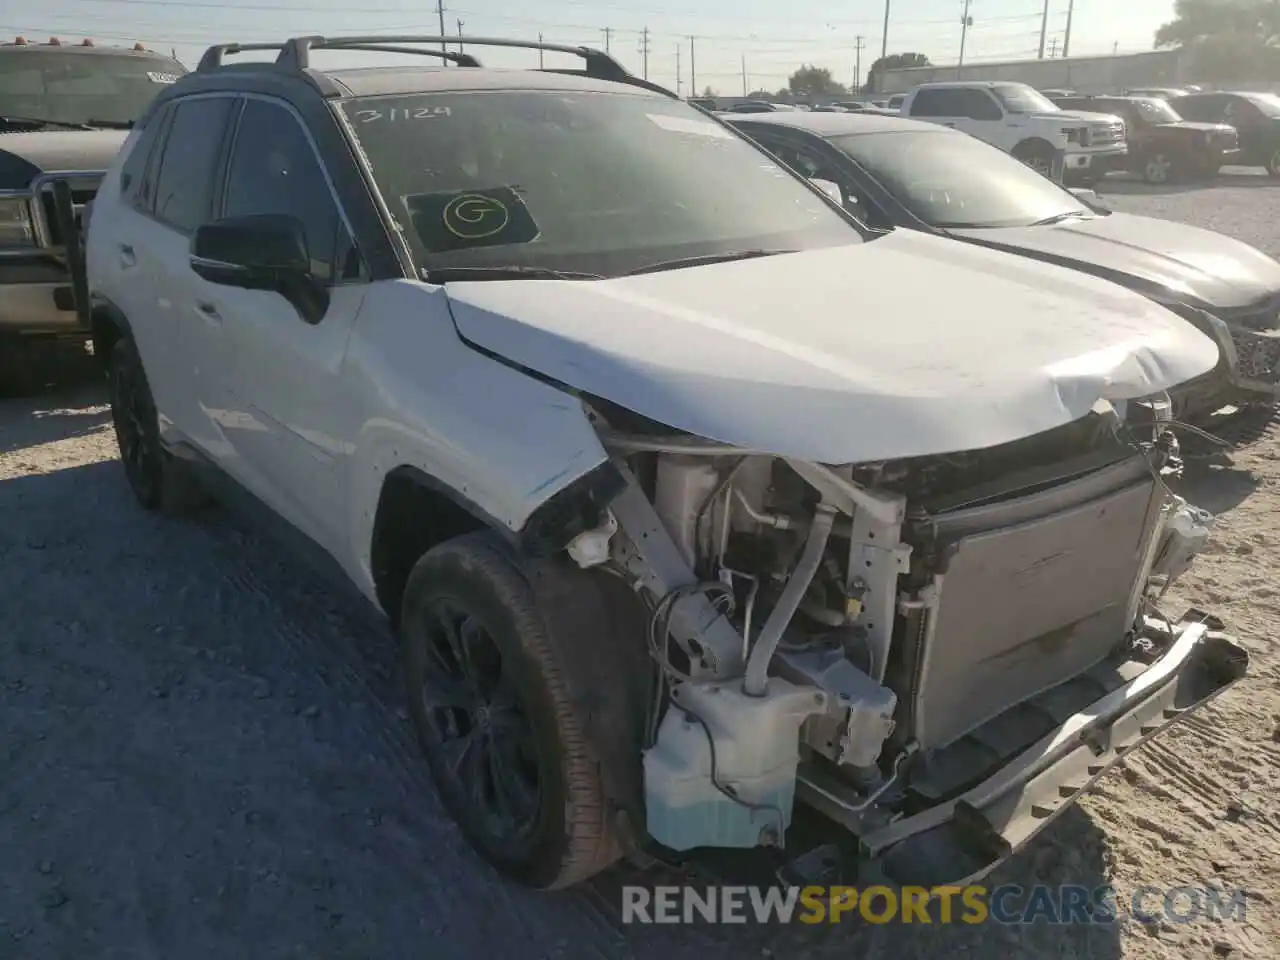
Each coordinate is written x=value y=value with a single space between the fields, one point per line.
x=402 y=113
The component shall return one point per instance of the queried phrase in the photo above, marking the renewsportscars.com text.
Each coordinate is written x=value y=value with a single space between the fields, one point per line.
x=1007 y=904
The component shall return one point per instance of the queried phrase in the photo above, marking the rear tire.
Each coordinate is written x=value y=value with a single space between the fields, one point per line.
x=514 y=716
x=158 y=481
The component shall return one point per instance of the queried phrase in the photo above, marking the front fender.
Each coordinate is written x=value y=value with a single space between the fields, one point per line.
x=501 y=441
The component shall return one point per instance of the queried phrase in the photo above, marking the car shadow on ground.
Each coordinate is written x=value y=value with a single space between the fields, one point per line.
x=216 y=755
x=1132 y=185
x=70 y=410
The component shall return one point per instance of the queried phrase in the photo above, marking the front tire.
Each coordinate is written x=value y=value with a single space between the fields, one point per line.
x=495 y=694
x=18 y=376
x=1158 y=168
x=158 y=482
x=1037 y=155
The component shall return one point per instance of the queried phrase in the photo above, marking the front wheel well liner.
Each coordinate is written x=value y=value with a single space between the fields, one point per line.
x=108 y=325
x=417 y=512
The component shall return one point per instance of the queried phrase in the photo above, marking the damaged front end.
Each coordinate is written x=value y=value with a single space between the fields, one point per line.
x=938 y=653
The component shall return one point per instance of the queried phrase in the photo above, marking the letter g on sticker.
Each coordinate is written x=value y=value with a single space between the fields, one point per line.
x=473 y=216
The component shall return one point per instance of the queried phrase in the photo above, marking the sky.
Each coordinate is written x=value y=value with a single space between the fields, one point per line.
x=764 y=40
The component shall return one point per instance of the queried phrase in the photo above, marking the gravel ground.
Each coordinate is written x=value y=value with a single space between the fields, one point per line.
x=202 y=753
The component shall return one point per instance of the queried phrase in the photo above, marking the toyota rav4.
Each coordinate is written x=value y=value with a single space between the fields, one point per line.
x=686 y=498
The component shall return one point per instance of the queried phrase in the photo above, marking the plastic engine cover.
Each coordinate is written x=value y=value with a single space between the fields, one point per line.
x=755 y=755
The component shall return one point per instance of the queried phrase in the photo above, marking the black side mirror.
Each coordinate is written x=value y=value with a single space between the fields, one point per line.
x=261 y=252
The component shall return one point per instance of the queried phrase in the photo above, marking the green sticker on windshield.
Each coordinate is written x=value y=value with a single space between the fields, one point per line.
x=462 y=219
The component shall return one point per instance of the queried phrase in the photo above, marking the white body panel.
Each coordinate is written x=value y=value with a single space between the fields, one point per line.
x=992 y=348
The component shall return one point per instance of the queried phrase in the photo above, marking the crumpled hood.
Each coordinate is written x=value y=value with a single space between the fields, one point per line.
x=903 y=346
x=27 y=154
x=1218 y=271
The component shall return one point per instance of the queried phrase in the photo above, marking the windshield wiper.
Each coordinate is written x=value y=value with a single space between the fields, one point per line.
x=110 y=124
x=44 y=122
x=447 y=274
x=704 y=260
x=1069 y=215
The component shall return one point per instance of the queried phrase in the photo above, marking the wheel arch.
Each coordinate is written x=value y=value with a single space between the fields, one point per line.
x=1028 y=144
x=417 y=511
x=108 y=324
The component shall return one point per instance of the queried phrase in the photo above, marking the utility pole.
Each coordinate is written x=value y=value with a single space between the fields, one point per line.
x=677 y=69
x=744 y=74
x=966 y=22
x=444 y=48
x=857 y=64
x=1053 y=48
x=608 y=33
x=460 y=50
x=693 y=70
x=539 y=52
x=1044 y=27
x=1066 y=36
x=644 y=51
x=884 y=37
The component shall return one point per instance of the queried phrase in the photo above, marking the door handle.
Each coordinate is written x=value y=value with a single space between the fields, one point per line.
x=209 y=311
x=127 y=257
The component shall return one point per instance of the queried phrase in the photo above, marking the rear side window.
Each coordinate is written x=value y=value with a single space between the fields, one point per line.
x=193 y=148
x=934 y=103
x=135 y=185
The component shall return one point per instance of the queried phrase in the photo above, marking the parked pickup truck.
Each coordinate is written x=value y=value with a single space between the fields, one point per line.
x=1025 y=123
x=1162 y=145
x=65 y=109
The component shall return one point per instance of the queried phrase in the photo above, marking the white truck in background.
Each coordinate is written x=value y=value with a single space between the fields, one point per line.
x=1023 y=122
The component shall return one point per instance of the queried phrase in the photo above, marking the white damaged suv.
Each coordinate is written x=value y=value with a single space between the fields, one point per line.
x=689 y=499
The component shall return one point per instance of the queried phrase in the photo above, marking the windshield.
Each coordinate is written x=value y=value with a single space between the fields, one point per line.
x=604 y=183
x=1268 y=103
x=952 y=180
x=1154 y=110
x=81 y=87
x=1019 y=98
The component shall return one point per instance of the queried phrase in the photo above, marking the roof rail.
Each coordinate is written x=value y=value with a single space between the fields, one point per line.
x=212 y=58
x=296 y=52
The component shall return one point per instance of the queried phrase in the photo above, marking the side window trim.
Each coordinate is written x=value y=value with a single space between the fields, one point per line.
x=156 y=164
x=144 y=196
x=343 y=220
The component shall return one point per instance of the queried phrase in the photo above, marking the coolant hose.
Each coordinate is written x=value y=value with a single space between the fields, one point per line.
x=757 y=675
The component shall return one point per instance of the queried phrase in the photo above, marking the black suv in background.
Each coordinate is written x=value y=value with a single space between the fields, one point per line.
x=65 y=111
x=1255 y=116
x=1163 y=146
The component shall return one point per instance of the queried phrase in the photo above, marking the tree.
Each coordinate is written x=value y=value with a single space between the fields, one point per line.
x=709 y=94
x=1196 y=19
x=811 y=81
x=1227 y=39
x=895 y=61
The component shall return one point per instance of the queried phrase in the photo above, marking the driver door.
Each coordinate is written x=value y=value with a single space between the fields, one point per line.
x=286 y=420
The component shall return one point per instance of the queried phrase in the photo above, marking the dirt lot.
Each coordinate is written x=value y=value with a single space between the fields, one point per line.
x=202 y=754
